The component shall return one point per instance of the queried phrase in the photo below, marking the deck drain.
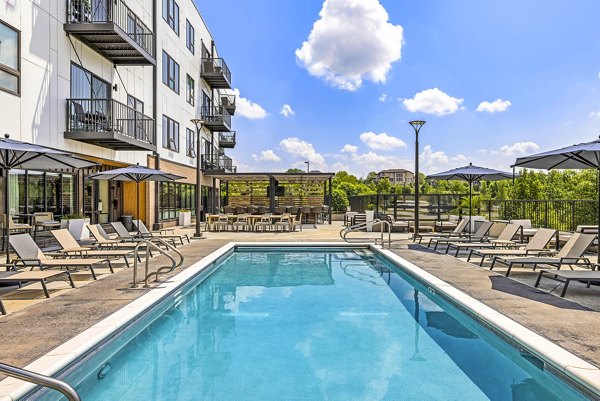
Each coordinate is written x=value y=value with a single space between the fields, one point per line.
x=104 y=370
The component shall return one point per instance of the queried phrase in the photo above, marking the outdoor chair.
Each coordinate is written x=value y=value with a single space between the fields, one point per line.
x=252 y=209
x=241 y=210
x=261 y=209
x=536 y=245
x=503 y=240
x=45 y=221
x=570 y=254
x=264 y=223
x=103 y=241
x=145 y=233
x=286 y=221
x=123 y=232
x=228 y=209
x=20 y=277
x=70 y=247
x=479 y=236
x=305 y=210
x=30 y=255
x=566 y=276
x=280 y=209
x=243 y=222
x=396 y=225
x=458 y=231
x=222 y=222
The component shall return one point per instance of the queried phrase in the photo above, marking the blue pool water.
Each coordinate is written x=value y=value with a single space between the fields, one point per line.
x=314 y=325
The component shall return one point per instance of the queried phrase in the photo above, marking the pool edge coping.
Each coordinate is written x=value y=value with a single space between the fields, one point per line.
x=568 y=364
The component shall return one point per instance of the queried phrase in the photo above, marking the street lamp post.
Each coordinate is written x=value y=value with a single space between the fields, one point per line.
x=307 y=167
x=198 y=123
x=417 y=127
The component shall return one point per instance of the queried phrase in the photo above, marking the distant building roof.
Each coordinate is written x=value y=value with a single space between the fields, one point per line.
x=396 y=170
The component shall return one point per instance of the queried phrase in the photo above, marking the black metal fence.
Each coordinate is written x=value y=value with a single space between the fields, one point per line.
x=564 y=215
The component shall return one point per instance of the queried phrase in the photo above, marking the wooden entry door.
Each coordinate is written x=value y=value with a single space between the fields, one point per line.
x=116 y=200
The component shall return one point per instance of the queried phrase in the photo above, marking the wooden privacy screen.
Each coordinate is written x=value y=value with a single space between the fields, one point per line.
x=244 y=193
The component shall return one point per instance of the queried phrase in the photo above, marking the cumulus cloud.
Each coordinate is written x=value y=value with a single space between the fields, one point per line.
x=432 y=101
x=459 y=158
x=349 y=149
x=381 y=141
x=595 y=114
x=383 y=97
x=266 y=155
x=248 y=109
x=299 y=148
x=351 y=41
x=432 y=160
x=519 y=148
x=497 y=105
x=287 y=111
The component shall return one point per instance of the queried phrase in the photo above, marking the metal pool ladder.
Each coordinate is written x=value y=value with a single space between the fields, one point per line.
x=161 y=270
x=361 y=227
x=40 y=380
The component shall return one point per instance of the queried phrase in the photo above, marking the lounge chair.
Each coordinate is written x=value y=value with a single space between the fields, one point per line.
x=71 y=247
x=479 y=236
x=30 y=255
x=104 y=241
x=570 y=254
x=503 y=240
x=566 y=276
x=145 y=233
x=41 y=277
x=536 y=245
x=457 y=232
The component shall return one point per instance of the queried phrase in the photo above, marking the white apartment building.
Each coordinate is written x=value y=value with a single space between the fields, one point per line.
x=116 y=82
x=397 y=176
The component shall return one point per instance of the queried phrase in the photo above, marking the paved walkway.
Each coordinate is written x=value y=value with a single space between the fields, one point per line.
x=31 y=332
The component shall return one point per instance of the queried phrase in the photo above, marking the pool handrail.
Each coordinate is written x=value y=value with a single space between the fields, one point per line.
x=40 y=380
x=360 y=227
x=147 y=244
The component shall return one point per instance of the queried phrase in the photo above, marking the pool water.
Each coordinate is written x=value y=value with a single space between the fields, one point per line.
x=271 y=324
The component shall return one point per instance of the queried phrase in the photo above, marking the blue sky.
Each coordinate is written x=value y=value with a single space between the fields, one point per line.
x=536 y=63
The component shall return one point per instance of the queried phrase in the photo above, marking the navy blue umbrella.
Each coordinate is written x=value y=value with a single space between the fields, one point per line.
x=28 y=156
x=471 y=174
x=137 y=174
x=581 y=156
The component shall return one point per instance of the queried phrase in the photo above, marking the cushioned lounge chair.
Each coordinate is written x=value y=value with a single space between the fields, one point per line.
x=570 y=254
x=70 y=247
x=536 y=245
x=479 y=236
x=30 y=255
x=503 y=240
x=458 y=231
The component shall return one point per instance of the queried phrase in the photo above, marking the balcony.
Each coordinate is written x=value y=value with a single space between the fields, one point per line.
x=217 y=163
x=216 y=73
x=216 y=118
x=228 y=102
x=112 y=29
x=227 y=140
x=110 y=124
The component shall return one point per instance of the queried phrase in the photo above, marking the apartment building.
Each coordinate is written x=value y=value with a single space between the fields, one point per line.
x=116 y=82
x=397 y=176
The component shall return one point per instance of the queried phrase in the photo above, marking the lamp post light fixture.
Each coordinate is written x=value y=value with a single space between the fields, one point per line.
x=307 y=167
x=198 y=123
x=417 y=124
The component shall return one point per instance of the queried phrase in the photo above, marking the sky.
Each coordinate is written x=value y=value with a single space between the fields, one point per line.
x=336 y=82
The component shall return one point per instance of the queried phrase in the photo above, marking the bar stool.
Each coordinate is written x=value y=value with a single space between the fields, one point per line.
x=241 y=210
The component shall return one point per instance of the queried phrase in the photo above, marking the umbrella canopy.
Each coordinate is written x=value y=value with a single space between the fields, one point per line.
x=137 y=174
x=470 y=174
x=28 y=156
x=581 y=156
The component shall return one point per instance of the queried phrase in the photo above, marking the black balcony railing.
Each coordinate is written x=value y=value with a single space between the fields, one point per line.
x=216 y=73
x=227 y=139
x=95 y=12
x=88 y=116
x=216 y=118
x=217 y=162
x=228 y=102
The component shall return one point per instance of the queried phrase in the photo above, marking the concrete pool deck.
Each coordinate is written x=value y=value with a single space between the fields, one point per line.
x=31 y=332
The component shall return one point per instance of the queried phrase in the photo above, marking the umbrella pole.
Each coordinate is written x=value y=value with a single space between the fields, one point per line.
x=137 y=206
x=471 y=225
x=598 y=237
x=7 y=213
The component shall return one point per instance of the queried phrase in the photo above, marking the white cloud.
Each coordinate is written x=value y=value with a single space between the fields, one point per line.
x=459 y=158
x=381 y=141
x=432 y=101
x=340 y=167
x=497 y=105
x=247 y=108
x=519 y=148
x=431 y=160
x=287 y=111
x=599 y=75
x=299 y=148
x=266 y=155
x=383 y=97
x=595 y=114
x=351 y=41
x=349 y=149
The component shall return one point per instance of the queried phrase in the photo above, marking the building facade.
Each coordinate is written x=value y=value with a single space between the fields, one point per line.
x=397 y=176
x=116 y=82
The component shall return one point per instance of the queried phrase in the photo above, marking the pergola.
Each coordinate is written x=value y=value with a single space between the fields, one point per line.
x=275 y=189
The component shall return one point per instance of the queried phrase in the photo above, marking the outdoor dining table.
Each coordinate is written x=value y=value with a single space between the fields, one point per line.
x=252 y=218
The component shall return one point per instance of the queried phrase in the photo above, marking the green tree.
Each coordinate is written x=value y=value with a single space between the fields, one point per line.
x=339 y=200
x=294 y=170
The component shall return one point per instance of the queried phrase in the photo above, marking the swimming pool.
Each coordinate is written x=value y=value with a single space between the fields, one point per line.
x=318 y=323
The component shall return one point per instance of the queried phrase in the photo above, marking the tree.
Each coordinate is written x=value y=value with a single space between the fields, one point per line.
x=339 y=200
x=383 y=186
x=294 y=170
x=371 y=177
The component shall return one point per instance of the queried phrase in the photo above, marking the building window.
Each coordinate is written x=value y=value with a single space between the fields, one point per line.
x=174 y=197
x=37 y=191
x=170 y=134
x=190 y=140
x=171 y=14
x=170 y=72
x=189 y=36
x=10 y=66
x=189 y=91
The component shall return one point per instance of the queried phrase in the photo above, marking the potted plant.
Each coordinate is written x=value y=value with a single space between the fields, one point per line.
x=370 y=213
x=185 y=217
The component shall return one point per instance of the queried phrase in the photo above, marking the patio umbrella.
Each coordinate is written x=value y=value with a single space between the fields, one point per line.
x=470 y=174
x=28 y=156
x=137 y=174
x=581 y=156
